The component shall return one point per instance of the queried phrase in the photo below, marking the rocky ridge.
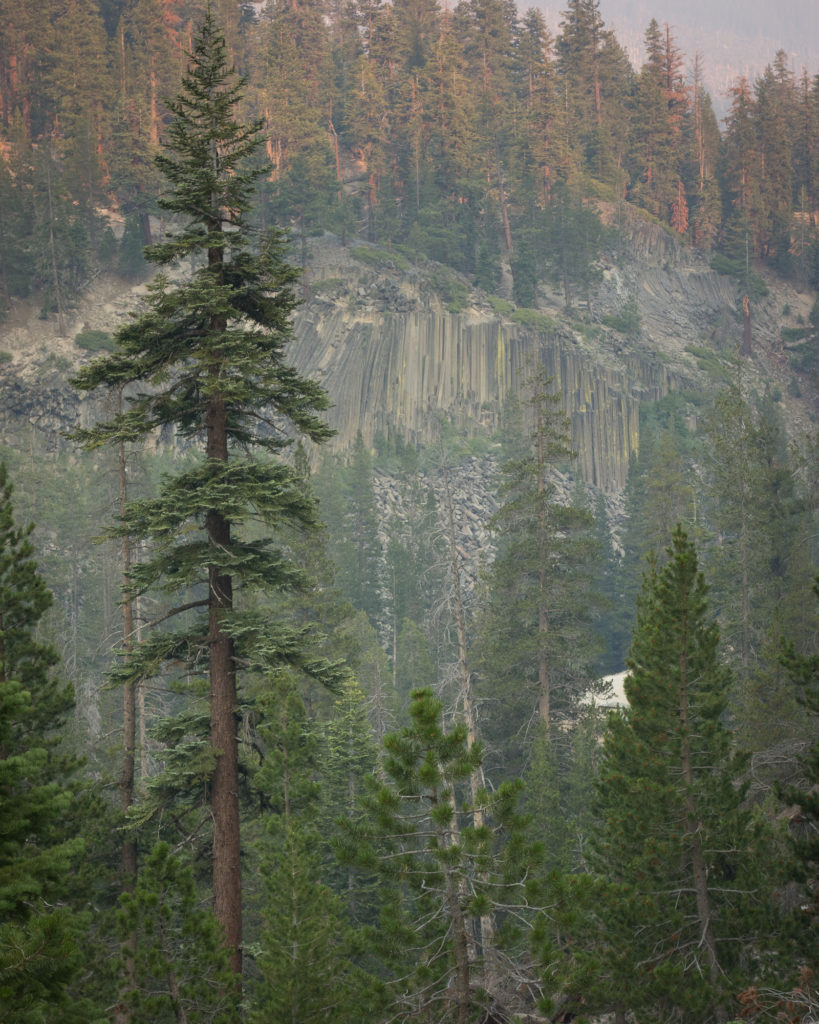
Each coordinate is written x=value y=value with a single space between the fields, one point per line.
x=403 y=345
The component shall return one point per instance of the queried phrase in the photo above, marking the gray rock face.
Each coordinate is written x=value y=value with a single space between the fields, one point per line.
x=410 y=370
x=42 y=401
x=381 y=334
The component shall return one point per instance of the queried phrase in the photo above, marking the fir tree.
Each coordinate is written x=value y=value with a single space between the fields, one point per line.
x=306 y=950
x=206 y=358
x=753 y=507
x=348 y=507
x=803 y=670
x=677 y=868
x=350 y=756
x=40 y=953
x=180 y=966
x=574 y=236
x=535 y=645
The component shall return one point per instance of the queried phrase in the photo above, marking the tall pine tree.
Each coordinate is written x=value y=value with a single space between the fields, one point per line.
x=535 y=645
x=206 y=359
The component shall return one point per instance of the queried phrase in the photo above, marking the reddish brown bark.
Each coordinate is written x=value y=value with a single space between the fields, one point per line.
x=227 y=868
x=224 y=796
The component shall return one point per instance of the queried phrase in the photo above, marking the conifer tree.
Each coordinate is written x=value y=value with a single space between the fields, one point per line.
x=675 y=893
x=659 y=494
x=751 y=496
x=440 y=873
x=206 y=360
x=305 y=953
x=180 y=966
x=39 y=941
x=535 y=645
x=347 y=499
x=574 y=235
x=803 y=670
x=350 y=756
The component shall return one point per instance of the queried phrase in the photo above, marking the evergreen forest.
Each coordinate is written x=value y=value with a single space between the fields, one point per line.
x=470 y=135
x=275 y=749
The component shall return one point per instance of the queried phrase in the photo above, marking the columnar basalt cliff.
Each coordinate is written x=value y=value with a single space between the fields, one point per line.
x=393 y=354
x=401 y=346
x=409 y=370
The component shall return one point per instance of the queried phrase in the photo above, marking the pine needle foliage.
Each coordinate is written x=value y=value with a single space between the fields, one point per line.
x=180 y=969
x=440 y=872
x=536 y=647
x=40 y=953
x=677 y=894
x=204 y=362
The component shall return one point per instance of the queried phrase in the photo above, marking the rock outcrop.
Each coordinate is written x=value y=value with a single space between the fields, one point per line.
x=396 y=352
x=393 y=356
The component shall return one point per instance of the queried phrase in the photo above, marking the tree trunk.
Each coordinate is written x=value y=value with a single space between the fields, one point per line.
x=543 y=682
x=507 y=230
x=460 y=939
x=227 y=868
x=692 y=827
x=746 y=326
x=128 y=854
x=476 y=779
x=58 y=295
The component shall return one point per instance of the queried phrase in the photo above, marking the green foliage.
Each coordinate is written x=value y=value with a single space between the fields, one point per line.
x=453 y=291
x=16 y=258
x=804 y=357
x=347 y=502
x=501 y=306
x=466 y=131
x=379 y=258
x=41 y=951
x=792 y=334
x=328 y=285
x=350 y=756
x=305 y=953
x=749 y=281
x=180 y=964
x=710 y=362
x=6 y=357
x=660 y=492
x=206 y=358
x=752 y=502
x=558 y=790
x=627 y=320
x=24 y=599
x=678 y=870
x=535 y=646
x=803 y=671
x=131 y=263
x=574 y=238
x=444 y=865
x=535 y=319
x=94 y=341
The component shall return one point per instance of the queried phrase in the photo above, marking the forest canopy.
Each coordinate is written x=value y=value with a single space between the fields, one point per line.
x=458 y=134
x=345 y=770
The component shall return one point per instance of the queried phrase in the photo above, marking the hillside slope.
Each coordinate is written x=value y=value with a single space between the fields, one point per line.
x=399 y=345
